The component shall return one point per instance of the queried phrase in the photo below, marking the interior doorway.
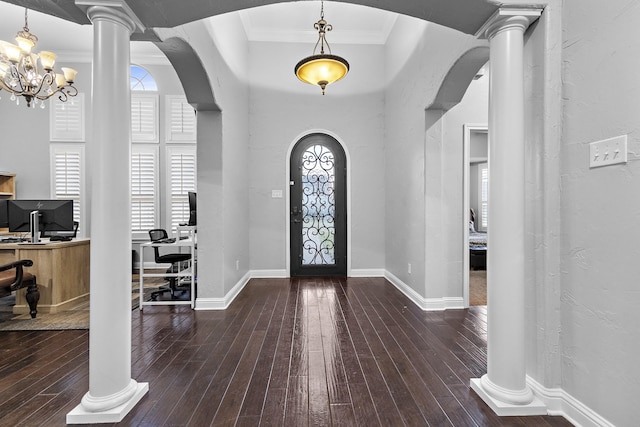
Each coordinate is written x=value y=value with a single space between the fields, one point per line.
x=318 y=209
x=476 y=213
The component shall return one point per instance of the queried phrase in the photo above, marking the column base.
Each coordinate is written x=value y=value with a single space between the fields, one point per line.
x=79 y=415
x=535 y=407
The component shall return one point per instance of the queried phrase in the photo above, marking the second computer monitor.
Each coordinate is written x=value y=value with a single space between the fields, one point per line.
x=192 y=208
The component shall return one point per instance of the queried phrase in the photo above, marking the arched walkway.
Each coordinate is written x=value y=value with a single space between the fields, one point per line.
x=505 y=384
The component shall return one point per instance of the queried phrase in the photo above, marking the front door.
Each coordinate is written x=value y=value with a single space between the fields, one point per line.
x=318 y=207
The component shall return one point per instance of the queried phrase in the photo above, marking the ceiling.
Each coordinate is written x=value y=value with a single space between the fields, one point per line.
x=283 y=22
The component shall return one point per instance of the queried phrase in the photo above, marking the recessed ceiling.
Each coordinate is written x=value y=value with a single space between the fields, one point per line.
x=293 y=22
x=282 y=22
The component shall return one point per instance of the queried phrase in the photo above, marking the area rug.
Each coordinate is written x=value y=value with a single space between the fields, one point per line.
x=76 y=317
x=478 y=287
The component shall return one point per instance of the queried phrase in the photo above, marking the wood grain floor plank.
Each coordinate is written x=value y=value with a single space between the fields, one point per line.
x=299 y=352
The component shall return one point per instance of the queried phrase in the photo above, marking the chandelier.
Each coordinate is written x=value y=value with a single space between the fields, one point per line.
x=322 y=69
x=21 y=75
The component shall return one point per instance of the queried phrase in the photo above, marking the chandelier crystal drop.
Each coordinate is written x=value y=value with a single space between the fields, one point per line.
x=322 y=69
x=31 y=75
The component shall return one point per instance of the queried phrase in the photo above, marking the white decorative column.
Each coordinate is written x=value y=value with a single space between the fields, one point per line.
x=504 y=387
x=112 y=392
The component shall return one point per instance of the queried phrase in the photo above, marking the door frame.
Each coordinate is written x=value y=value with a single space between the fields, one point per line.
x=468 y=129
x=287 y=206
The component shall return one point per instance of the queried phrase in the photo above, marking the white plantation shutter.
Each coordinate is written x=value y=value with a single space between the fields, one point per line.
x=484 y=196
x=66 y=119
x=144 y=118
x=181 y=174
x=144 y=189
x=67 y=180
x=180 y=120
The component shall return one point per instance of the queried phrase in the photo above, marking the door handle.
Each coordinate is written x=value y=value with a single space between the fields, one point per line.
x=295 y=212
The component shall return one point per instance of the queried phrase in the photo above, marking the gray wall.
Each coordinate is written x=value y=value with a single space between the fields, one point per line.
x=279 y=118
x=424 y=166
x=600 y=297
x=24 y=143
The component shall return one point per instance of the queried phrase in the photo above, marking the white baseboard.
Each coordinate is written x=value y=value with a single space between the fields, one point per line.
x=268 y=274
x=426 y=304
x=224 y=302
x=367 y=272
x=559 y=402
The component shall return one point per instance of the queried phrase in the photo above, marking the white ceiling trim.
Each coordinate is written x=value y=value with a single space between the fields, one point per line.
x=257 y=33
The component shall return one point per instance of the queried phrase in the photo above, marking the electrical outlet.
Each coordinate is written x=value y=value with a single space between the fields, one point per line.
x=608 y=152
x=237 y=264
x=409 y=268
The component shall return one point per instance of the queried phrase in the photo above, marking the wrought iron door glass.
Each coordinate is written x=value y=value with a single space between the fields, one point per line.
x=318 y=206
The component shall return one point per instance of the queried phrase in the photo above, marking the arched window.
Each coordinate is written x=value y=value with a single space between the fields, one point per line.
x=141 y=79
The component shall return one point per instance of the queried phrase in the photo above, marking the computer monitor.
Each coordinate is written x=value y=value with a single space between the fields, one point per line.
x=52 y=215
x=4 y=214
x=192 y=208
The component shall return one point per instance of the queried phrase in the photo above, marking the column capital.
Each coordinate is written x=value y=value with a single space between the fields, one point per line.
x=113 y=10
x=508 y=17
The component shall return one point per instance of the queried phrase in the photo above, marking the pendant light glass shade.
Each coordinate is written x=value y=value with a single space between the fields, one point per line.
x=322 y=70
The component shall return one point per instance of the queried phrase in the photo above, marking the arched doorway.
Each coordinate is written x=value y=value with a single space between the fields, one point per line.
x=318 y=209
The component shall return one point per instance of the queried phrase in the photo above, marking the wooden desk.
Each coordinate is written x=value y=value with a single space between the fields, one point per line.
x=61 y=270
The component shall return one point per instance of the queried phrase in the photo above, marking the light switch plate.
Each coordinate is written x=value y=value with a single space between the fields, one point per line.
x=608 y=152
x=276 y=194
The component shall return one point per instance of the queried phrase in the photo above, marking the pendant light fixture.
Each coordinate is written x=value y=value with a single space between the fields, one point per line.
x=322 y=69
x=30 y=75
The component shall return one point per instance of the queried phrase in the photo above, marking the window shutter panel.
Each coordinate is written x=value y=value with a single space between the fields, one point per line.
x=67 y=119
x=182 y=179
x=144 y=118
x=181 y=120
x=484 y=202
x=143 y=191
x=67 y=177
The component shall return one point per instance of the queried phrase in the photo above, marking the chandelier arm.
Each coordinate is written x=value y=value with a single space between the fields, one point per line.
x=66 y=92
x=15 y=73
x=47 y=79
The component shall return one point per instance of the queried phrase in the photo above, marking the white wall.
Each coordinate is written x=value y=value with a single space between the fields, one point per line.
x=282 y=114
x=423 y=167
x=472 y=109
x=223 y=199
x=600 y=298
x=24 y=143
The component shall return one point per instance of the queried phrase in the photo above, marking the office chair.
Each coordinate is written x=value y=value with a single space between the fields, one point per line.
x=13 y=277
x=175 y=259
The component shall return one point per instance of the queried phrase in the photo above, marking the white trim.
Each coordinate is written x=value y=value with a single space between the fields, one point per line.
x=467 y=129
x=80 y=415
x=223 y=303
x=504 y=409
x=367 y=272
x=288 y=195
x=425 y=304
x=268 y=274
x=559 y=402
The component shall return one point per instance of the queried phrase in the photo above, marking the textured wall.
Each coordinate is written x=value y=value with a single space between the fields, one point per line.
x=281 y=114
x=600 y=209
x=423 y=190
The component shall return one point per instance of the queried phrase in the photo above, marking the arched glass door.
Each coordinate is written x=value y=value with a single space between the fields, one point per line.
x=318 y=207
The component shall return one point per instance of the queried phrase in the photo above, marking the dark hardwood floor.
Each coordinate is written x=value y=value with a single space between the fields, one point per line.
x=287 y=352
